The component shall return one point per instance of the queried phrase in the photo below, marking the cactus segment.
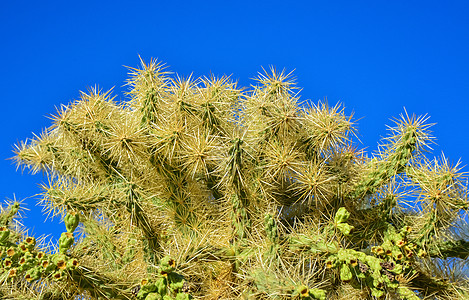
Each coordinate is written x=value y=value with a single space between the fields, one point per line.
x=33 y=274
x=4 y=234
x=345 y=228
x=71 y=220
x=341 y=216
x=66 y=240
x=167 y=264
x=317 y=294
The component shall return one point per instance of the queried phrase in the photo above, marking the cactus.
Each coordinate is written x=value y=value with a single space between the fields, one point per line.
x=196 y=188
x=71 y=221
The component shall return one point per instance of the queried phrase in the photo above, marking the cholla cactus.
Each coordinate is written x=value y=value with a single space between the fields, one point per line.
x=200 y=189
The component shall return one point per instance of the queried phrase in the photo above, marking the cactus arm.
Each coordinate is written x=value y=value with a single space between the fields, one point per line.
x=7 y=215
x=458 y=248
x=410 y=136
x=140 y=219
x=98 y=285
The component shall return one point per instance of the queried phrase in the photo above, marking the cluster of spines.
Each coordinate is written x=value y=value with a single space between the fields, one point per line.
x=183 y=153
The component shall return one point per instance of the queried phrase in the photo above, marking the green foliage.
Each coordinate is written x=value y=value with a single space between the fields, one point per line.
x=200 y=189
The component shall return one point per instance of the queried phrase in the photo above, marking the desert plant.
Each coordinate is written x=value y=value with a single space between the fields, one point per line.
x=195 y=188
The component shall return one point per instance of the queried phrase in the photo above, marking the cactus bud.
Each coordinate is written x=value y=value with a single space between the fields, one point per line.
x=183 y=296
x=400 y=243
x=330 y=263
x=40 y=255
x=345 y=273
x=301 y=291
x=142 y=295
x=12 y=253
x=23 y=247
x=65 y=242
x=399 y=256
x=161 y=284
x=7 y=263
x=407 y=293
x=373 y=263
x=377 y=293
x=30 y=242
x=12 y=273
x=58 y=275
x=47 y=266
x=168 y=264
x=22 y=261
x=148 y=287
x=33 y=274
x=406 y=230
x=176 y=282
x=345 y=228
x=422 y=253
x=317 y=294
x=153 y=296
x=397 y=269
x=71 y=221
x=60 y=261
x=304 y=292
x=341 y=216
x=72 y=264
x=378 y=250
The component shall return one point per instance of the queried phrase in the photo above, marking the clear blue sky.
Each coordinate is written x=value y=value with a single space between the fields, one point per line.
x=376 y=57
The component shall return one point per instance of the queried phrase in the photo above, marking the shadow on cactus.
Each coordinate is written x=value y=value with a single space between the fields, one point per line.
x=196 y=188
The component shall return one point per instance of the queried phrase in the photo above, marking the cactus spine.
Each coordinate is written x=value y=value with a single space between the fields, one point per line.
x=195 y=188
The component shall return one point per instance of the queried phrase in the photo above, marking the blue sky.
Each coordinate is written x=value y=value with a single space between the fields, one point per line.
x=375 y=57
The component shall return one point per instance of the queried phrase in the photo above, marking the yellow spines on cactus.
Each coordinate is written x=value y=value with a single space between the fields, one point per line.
x=188 y=169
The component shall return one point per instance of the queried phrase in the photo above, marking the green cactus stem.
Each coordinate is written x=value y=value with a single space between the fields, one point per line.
x=71 y=220
x=66 y=240
x=9 y=214
x=4 y=234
